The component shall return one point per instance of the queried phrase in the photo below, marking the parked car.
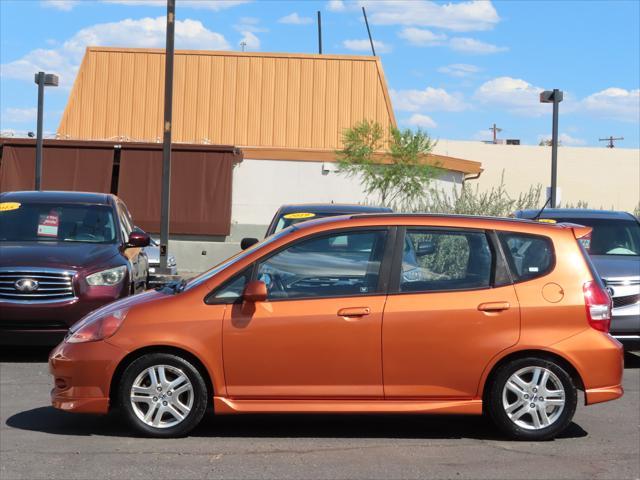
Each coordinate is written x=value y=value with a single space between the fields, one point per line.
x=288 y=215
x=153 y=254
x=62 y=255
x=614 y=247
x=295 y=324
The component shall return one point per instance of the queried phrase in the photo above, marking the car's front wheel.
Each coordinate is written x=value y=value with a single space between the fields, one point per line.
x=532 y=399
x=162 y=395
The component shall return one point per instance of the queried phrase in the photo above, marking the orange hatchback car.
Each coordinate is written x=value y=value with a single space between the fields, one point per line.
x=377 y=313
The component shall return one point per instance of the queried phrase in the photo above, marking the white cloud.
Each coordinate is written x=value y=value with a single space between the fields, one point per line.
x=19 y=115
x=250 y=40
x=295 y=19
x=65 y=5
x=462 y=16
x=214 y=5
x=459 y=70
x=365 y=46
x=564 y=139
x=421 y=121
x=471 y=45
x=429 y=99
x=145 y=32
x=421 y=37
x=614 y=103
x=516 y=95
x=336 y=5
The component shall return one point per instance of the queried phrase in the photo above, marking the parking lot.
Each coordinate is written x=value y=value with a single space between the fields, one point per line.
x=37 y=441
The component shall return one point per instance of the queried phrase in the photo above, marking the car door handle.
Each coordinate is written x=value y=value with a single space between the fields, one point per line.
x=354 y=312
x=494 y=306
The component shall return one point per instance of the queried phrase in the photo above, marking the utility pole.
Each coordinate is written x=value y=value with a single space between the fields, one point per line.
x=243 y=44
x=610 y=140
x=166 y=141
x=496 y=130
x=319 y=33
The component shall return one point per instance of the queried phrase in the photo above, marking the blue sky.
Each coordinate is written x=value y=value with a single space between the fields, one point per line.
x=453 y=68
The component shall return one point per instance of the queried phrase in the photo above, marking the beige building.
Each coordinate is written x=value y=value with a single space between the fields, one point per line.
x=603 y=177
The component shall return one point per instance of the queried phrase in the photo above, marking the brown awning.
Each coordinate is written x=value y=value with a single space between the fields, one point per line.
x=200 y=189
x=63 y=168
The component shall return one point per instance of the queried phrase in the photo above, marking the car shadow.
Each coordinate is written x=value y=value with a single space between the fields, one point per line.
x=631 y=359
x=52 y=421
x=11 y=354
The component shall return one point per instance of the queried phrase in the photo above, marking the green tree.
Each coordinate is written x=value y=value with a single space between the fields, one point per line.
x=403 y=178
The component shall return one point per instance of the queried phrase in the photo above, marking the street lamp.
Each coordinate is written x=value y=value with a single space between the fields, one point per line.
x=49 y=80
x=553 y=96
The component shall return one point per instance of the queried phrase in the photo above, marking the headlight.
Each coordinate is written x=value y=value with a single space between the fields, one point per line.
x=96 y=326
x=413 y=275
x=113 y=276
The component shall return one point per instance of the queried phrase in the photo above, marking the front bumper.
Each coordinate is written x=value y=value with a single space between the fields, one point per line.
x=82 y=374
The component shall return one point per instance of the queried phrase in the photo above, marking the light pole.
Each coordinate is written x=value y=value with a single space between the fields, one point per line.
x=166 y=140
x=553 y=96
x=49 y=80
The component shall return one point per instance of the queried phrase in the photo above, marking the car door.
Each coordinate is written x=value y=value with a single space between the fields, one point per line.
x=318 y=335
x=451 y=309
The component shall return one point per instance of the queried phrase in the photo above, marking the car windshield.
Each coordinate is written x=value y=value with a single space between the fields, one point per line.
x=610 y=236
x=203 y=277
x=287 y=219
x=39 y=222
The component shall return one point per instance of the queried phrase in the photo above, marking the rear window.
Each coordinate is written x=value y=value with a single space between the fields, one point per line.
x=529 y=256
x=610 y=236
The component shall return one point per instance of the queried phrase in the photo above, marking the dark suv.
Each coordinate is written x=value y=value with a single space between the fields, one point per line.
x=614 y=248
x=62 y=255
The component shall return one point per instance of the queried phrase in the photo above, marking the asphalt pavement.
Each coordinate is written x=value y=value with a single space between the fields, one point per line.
x=38 y=442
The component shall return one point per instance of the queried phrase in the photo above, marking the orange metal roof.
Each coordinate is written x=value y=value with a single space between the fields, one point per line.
x=278 y=105
x=234 y=98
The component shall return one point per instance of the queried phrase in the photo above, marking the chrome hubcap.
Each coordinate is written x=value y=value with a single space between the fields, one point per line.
x=162 y=396
x=533 y=398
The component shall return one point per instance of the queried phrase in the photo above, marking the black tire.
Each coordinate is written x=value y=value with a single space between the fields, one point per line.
x=496 y=410
x=191 y=419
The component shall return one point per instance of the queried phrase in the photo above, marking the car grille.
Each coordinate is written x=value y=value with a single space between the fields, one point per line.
x=22 y=285
x=625 y=301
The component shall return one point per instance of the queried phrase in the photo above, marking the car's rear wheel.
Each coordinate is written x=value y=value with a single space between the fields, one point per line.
x=532 y=399
x=162 y=395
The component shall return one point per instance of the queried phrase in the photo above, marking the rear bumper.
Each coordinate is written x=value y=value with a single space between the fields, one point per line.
x=603 y=394
x=82 y=375
x=628 y=341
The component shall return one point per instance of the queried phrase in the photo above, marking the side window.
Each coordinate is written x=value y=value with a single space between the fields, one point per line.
x=231 y=290
x=125 y=225
x=341 y=264
x=529 y=256
x=435 y=260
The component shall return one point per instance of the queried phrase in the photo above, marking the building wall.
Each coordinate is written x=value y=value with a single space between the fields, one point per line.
x=603 y=177
x=260 y=187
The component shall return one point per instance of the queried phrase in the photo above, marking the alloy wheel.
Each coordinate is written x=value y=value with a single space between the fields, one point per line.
x=162 y=396
x=533 y=398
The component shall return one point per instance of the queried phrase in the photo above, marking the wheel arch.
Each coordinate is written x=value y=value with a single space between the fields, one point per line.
x=180 y=352
x=542 y=354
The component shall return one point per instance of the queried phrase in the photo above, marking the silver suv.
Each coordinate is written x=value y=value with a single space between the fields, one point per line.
x=614 y=248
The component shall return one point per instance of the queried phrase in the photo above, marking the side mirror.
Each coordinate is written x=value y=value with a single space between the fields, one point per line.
x=138 y=239
x=426 y=247
x=248 y=242
x=255 y=291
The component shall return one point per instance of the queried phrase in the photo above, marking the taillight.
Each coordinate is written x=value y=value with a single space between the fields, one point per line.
x=598 y=305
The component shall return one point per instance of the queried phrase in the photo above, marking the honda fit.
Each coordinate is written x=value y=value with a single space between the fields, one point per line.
x=377 y=313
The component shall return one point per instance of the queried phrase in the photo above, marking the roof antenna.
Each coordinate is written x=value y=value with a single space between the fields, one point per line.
x=319 y=33
x=537 y=215
x=364 y=12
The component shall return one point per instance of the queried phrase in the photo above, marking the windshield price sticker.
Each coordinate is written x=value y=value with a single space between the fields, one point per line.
x=291 y=216
x=8 y=206
x=48 y=225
